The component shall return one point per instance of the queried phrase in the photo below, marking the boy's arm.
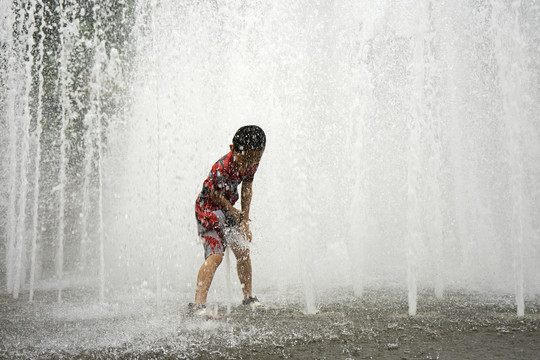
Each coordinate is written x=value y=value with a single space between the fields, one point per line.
x=246 y=199
x=217 y=198
x=246 y=202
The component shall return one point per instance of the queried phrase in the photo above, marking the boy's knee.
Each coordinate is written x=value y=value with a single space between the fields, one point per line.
x=214 y=259
x=219 y=258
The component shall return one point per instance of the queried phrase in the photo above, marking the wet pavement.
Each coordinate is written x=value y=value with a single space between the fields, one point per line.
x=376 y=326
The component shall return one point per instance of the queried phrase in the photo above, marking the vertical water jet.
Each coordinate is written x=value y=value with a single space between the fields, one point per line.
x=433 y=119
x=66 y=29
x=101 y=229
x=14 y=71
x=37 y=156
x=28 y=30
x=355 y=99
x=513 y=76
x=415 y=127
x=413 y=222
x=158 y=252
x=94 y=145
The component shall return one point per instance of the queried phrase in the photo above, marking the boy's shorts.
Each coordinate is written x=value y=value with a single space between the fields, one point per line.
x=227 y=232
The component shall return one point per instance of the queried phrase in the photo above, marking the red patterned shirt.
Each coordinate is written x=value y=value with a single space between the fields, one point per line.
x=223 y=177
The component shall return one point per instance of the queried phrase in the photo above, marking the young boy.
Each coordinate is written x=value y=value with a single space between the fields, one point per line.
x=219 y=223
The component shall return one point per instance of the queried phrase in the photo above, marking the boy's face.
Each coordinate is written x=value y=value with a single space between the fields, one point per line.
x=244 y=160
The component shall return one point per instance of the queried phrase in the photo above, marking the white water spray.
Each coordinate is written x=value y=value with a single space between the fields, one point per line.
x=30 y=28
x=66 y=33
x=12 y=91
x=513 y=76
x=228 y=279
x=386 y=128
x=37 y=159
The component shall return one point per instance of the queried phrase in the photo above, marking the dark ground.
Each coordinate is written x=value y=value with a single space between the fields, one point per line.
x=377 y=326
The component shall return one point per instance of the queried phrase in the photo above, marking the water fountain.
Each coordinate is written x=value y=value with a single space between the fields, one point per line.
x=403 y=144
x=55 y=66
x=428 y=140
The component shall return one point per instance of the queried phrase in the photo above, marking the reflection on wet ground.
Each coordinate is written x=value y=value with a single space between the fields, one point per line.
x=459 y=326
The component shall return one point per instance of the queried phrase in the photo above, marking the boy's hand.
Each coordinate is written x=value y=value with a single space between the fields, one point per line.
x=236 y=214
x=240 y=217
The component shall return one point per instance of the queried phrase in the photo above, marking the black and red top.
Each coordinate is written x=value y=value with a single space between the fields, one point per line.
x=223 y=177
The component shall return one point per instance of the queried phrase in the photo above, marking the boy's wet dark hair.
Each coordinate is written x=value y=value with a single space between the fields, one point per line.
x=249 y=138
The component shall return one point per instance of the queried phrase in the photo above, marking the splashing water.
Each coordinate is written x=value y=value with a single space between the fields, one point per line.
x=403 y=143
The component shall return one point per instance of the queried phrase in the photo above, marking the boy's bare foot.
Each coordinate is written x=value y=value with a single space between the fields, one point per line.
x=199 y=311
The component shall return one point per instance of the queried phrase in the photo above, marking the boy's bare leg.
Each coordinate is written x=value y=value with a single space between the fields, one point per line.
x=205 y=276
x=243 y=267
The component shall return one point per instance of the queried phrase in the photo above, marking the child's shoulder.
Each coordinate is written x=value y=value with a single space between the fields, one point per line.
x=224 y=161
x=221 y=165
